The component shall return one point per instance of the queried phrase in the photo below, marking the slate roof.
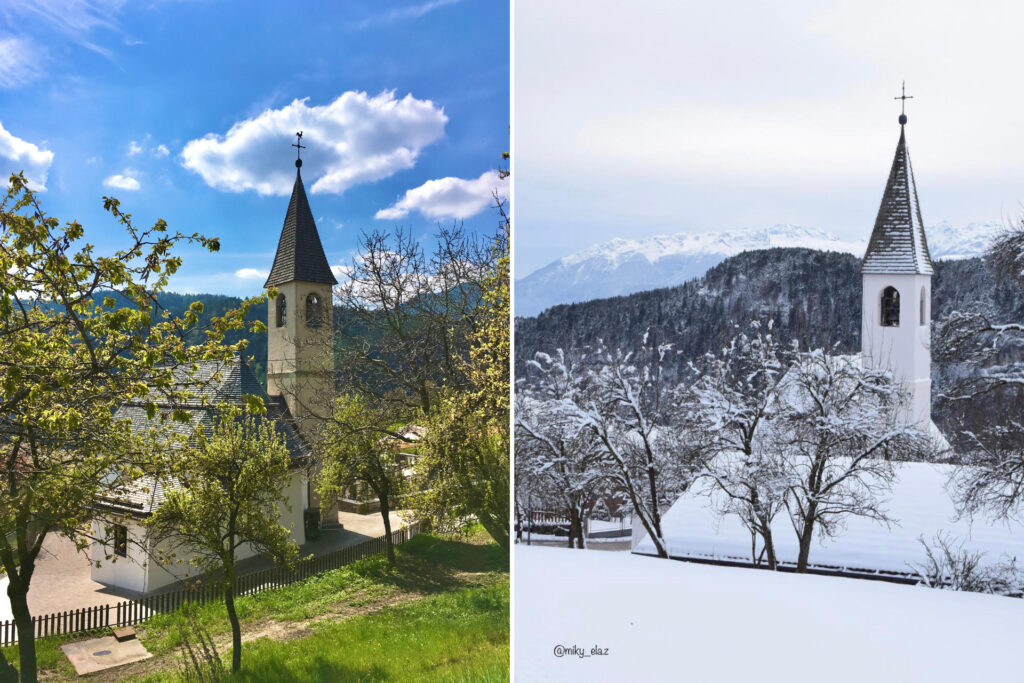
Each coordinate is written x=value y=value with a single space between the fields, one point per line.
x=898 y=244
x=235 y=379
x=300 y=255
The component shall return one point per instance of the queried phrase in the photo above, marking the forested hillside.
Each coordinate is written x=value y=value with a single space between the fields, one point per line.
x=812 y=296
x=217 y=305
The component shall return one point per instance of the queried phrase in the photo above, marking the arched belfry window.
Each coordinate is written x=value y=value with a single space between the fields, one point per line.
x=924 y=308
x=890 y=307
x=314 y=310
x=282 y=310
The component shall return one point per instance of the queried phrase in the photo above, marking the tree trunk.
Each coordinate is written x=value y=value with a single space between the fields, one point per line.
x=496 y=527
x=17 y=591
x=236 y=628
x=653 y=532
x=806 y=536
x=574 y=526
x=385 y=512
x=652 y=483
x=769 y=547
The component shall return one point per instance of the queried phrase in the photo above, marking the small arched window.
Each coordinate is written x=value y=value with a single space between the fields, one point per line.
x=314 y=310
x=924 y=308
x=890 y=307
x=282 y=310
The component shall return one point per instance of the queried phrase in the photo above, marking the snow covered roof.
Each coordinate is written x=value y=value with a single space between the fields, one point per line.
x=898 y=244
x=918 y=502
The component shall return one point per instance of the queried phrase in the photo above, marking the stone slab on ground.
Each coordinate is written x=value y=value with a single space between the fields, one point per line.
x=123 y=634
x=99 y=654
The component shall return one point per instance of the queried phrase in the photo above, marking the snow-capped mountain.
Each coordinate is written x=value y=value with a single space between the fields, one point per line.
x=966 y=241
x=624 y=266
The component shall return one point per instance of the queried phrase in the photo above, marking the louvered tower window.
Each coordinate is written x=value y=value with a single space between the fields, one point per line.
x=890 y=307
x=314 y=312
x=282 y=310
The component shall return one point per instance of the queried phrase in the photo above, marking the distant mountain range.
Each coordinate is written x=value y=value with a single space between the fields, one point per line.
x=624 y=266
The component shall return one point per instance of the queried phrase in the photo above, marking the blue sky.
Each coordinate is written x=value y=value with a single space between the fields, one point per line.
x=185 y=111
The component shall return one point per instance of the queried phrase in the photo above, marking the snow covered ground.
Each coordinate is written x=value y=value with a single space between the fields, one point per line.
x=663 y=620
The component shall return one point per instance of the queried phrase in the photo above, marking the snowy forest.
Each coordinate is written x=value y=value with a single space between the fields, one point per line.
x=745 y=383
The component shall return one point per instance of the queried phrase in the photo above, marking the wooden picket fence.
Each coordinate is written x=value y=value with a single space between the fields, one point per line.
x=131 y=612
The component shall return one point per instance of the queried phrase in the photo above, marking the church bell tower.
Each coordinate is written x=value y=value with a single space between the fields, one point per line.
x=300 y=351
x=896 y=305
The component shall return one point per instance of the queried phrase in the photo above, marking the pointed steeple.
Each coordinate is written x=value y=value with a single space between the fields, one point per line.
x=300 y=255
x=898 y=244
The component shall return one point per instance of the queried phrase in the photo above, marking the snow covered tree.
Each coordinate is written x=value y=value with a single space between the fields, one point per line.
x=989 y=478
x=731 y=405
x=632 y=409
x=842 y=436
x=554 y=446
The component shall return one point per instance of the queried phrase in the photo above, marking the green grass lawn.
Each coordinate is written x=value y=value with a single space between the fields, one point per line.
x=459 y=636
x=464 y=579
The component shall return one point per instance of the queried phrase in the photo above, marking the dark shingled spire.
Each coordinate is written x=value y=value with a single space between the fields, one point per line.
x=898 y=243
x=300 y=256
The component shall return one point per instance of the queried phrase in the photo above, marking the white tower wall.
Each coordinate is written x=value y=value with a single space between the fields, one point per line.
x=903 y=349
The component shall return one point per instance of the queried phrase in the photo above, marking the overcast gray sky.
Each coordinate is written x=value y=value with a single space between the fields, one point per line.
x=645 y=117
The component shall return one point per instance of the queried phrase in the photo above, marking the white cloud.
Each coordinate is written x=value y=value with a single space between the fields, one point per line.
x=134 y=148
x=449 y=197
x=341 y=272
x=20 y=62
x=251 y=273
x=19 y=155
x=93 y=160
x=76 y=20
x=411 y=12
x=161 y=151
x=355 y=139
x=123 y=181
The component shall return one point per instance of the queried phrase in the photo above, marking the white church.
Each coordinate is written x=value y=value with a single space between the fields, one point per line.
x=896 y=277
x=300 y=381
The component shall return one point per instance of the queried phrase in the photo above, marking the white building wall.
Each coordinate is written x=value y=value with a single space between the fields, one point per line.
x=905 y=350
x=128 y=572
x=146 y=569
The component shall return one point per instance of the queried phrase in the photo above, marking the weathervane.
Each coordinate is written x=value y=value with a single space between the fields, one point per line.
x=299 y=147
x=903 y=102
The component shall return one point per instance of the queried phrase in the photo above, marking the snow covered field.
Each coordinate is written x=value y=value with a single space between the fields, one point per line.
x=663 y=620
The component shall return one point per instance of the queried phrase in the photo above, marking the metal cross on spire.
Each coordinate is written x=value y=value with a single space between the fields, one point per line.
x=299 y=147
x=903 y=102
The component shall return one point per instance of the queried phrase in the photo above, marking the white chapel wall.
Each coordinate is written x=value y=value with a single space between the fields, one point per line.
x=143 y=572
